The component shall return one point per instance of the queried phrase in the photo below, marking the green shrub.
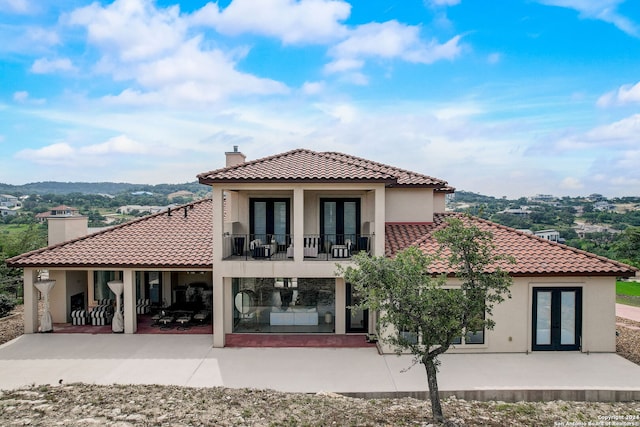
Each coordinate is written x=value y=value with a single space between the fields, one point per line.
x=6 y=304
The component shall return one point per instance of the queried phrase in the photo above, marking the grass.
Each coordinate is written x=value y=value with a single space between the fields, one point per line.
x=10 y=229
x=628 y=288
x=628 y=293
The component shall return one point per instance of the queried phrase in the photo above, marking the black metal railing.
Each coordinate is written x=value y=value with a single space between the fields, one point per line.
x=257 y=246
x=316 y=247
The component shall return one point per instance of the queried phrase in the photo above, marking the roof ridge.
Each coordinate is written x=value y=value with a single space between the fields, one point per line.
x=327 y=154
x=255 y=161
x=362 y=159
x=101 y=232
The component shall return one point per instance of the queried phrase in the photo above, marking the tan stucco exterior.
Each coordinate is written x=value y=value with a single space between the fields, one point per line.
x=409 y=205
x=64 y=228
x=381 y=202
x=513 y=330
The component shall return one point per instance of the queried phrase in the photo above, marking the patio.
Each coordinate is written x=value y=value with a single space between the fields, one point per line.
x=190 y=360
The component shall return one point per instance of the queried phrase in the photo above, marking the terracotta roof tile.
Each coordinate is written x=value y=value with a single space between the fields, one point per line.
x=159 y=240
x=533 y=255
x=179 y=241
x=310 y=166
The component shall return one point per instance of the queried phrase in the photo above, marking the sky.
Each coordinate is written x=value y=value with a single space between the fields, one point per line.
x=503 y=97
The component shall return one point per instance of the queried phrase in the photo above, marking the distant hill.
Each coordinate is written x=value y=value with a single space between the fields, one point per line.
x=113 y=188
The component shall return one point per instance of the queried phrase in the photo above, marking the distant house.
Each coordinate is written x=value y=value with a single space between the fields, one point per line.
x=8 y=201
x=260 y=256
x=182 y=193
x=521 y=211
x=543 y=198
x=5 y=211
x=604 y=206
x=551 y=235
x=58 y=211
x=127 y=209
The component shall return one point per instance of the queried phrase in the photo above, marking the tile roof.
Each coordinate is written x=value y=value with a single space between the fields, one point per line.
x=159 y=240
x=534 y=256
x=179 y=241
x=311 y=166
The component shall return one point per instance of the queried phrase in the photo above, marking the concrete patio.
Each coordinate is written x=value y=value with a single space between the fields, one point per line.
x=190 y=360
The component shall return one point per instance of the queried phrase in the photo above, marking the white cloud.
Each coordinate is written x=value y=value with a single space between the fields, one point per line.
x=121 y=144
x=59 y=153
x=131 y=30
x=313 y=88
x=149 y=46
x=603 y=10
x=23 y=97
x=46 y=66
x=494 y=58
x=191 y=74
x=64 y=153
x=344 y=113
x=42 y=36
x=16 y=6
x=388 y=40
x=292 y=21
x=571 y=183
x=622 y=133
x=626 y=94
x=343 y=64
x=444 y=2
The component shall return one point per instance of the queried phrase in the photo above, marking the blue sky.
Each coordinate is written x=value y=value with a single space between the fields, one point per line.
x=503 y=97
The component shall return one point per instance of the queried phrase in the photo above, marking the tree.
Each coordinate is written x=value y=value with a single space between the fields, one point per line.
x=410 y=295
x=627 y=248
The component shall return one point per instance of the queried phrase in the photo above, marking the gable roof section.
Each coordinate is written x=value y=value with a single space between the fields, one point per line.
x=302 y=165
x=534 y=256
x=178 y=240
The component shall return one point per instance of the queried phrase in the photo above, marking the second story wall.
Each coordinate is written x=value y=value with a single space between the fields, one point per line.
x=409 y=205
x=439 y=202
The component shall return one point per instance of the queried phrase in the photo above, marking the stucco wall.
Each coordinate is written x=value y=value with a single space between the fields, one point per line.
x=513 y=329
x=409 y=205
x=439 y=202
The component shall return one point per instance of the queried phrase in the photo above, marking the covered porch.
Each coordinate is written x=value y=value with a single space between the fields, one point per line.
x=151 y=301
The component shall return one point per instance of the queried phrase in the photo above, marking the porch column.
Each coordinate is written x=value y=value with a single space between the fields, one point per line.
x=380 y=216
x=340 y=318
x=129 y=296
x=218 y=282
x=218 y=311
x=30 y=301
x=298 y=224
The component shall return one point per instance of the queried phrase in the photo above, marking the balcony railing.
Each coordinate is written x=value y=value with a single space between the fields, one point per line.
x=279 y=247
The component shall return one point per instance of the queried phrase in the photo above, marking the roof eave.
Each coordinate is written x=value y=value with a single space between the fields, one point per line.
x=209 y=181
x=90 y=266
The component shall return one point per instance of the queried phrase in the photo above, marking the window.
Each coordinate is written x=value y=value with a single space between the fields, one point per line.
x=269 y=219
x=469 y=337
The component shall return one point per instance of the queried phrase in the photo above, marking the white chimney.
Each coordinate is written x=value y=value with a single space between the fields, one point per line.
x=234 y=157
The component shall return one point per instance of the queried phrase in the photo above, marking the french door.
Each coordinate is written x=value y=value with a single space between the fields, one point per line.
x=339 y=220
x=357 y=318
x=269 y=219
x=557 y=318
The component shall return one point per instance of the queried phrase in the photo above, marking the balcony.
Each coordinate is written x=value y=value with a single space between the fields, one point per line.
x=279 y=247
